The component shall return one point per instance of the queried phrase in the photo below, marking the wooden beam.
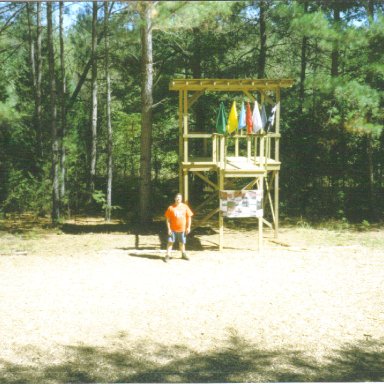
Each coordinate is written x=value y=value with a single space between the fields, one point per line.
x=252 y=98
x=209 y=182
x=199 y=223
x=250 y=185
x=192 y=100
x=237 y=85
x=267 y=99
x=267 y=187
x=267 y=223
x=206 y=201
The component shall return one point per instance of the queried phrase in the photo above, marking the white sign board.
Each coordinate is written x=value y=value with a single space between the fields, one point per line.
x=243 y=203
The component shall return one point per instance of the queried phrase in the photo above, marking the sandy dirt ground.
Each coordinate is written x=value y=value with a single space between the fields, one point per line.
x=104 y=307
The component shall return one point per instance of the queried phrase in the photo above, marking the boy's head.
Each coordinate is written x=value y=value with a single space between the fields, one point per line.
x=178 y=198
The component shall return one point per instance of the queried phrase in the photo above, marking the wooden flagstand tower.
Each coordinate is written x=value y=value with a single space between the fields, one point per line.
x=252 y=156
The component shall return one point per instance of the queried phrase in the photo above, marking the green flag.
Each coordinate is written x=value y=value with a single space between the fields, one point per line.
x=221 y=121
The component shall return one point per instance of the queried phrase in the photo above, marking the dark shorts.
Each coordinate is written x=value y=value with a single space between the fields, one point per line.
x=177 y=236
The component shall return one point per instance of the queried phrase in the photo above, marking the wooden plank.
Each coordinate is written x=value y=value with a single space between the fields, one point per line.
x=235 y=174
x=197 y=135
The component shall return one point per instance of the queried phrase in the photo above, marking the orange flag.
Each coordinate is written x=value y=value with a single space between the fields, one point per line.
x=248 y=118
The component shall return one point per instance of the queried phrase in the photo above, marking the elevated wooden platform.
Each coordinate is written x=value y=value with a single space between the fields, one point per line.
x=239 y=166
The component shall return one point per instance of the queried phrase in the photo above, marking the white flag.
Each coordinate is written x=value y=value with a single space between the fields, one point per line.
x=256 y=118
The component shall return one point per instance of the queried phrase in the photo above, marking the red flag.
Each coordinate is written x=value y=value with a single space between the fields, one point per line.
x=248 y=118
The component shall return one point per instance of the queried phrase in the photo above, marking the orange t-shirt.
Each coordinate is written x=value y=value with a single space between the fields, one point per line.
x=177 y=216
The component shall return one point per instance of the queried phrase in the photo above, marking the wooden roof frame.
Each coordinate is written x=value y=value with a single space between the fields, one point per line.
x=231 y=85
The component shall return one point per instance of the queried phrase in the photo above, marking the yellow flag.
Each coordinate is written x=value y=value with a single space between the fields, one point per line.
x=232 y=119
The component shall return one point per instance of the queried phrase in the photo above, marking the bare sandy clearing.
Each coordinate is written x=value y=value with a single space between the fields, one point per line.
x=99 y=291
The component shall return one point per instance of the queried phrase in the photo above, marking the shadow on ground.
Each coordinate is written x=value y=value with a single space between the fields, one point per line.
x=238 y=361
x=156 y=228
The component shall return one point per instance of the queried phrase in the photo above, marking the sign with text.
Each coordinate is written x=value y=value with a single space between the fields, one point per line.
x=243 y=203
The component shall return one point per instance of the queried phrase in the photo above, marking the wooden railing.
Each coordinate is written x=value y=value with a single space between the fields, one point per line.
x=257 y=148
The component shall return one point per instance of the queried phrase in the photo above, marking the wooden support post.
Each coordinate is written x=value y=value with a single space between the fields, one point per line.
x=186 y=190
x=260 y=238
x=255 y=149
x=268 y=193
x=185 y=125
x=222 y=151
x=221 y=218
x=249 y=147
x=181 y=154
x=236 y=146
x=262 y=151
x=214 y=148
x=276 y=201
x=277 y=158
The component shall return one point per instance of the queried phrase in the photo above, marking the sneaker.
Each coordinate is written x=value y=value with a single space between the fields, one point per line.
x=166 y=258
x=184 y=256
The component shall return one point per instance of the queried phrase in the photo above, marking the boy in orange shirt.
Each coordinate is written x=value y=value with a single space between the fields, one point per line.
x=179 y=220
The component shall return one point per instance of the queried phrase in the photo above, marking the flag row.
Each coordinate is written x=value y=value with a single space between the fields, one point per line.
x=253 y=121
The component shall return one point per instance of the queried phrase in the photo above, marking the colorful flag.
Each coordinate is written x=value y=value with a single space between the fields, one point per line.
x=232 y=119
x=264 y=119
x=256 y=118
x=221 y=120
x=242 y=122
x=248 y=118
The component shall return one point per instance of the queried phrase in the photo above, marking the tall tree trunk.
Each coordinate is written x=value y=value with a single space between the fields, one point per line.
x=63 y=104
x=146 y=112
x=31 y=41
x=82 y=78
x=370 y=7
x=94 y=100
x=335 y=50
x=30 y=9
x=304 y=46
x=55 y=136
x=263 y=39
x=39 y=71
x=371 y=189
x=197 y=74
x=109 y=124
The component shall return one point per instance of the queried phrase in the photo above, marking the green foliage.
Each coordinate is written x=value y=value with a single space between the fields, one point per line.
x=26 y=193
x=100 y=198
x=329 y=132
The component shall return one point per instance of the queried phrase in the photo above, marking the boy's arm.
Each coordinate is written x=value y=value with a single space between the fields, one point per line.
x=168 y=226
x=189 y=223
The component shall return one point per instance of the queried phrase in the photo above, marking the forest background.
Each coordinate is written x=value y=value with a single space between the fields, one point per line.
x=89 y=126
